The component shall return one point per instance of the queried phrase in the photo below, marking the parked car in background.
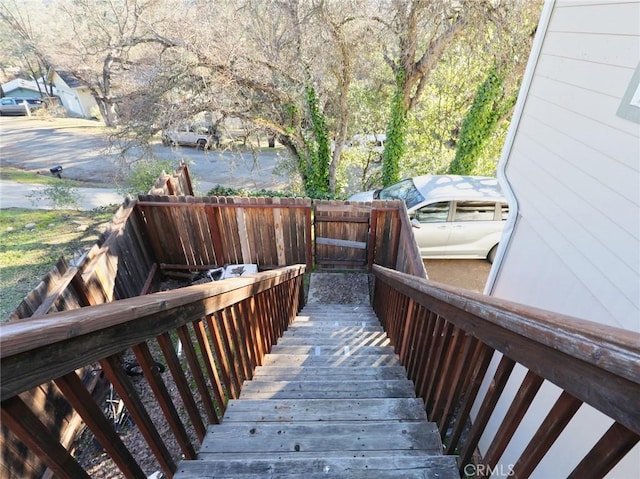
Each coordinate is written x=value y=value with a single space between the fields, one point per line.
x=19 y=106
x=453 y=216
x=201 y=135
x=373 y=142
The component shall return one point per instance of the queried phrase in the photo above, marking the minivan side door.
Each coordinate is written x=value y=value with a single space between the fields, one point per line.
x=476 y=226
x=433 y=234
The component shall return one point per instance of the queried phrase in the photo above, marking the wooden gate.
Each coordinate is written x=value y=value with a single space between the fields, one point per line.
x=341 y=235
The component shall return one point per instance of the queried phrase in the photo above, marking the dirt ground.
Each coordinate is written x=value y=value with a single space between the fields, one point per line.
x=469 y=274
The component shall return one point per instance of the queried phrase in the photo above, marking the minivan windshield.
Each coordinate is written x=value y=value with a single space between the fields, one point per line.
x=405 y=190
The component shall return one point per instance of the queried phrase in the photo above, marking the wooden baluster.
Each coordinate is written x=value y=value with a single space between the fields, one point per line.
x=173 y=362
x=217 y=338
x=450 y=362
x=519 y=406
x=198 y=376
x=555 y=422
x=612 y=446
x=500 y=378
x=463 y=364
x=231 y=349
x=440 y=351
x=209 y=363
x=161 y=394
x=244 y=342
x=425 y=347
x=15 y=414
x=82 y=401
x=481 y=359
x=127 y=392
x=416 y=341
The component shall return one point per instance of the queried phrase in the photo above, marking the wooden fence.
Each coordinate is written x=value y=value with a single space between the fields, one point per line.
x=199 y=233
x=188 y=233
x=446 y=338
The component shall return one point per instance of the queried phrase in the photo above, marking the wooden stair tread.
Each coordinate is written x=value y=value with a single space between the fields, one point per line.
x=343 y=361
x=336 y=349
x=380 y=373
x=384 y=466
x=258 y=389
x=319 y=436
x=289 y=410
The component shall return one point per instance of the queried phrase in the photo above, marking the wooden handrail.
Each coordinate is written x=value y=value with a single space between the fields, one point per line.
x=446 y=336
x=242 y=317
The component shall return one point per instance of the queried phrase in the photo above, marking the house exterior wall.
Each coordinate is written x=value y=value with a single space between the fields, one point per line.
x=572 y=165
x=22 y=93
x=77 y=101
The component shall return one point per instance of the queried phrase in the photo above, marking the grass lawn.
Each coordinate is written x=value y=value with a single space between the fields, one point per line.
x=22 y=176
x=28 y=254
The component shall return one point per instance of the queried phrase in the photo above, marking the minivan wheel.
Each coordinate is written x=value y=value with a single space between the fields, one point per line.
x=201 y=144
x=492 y=254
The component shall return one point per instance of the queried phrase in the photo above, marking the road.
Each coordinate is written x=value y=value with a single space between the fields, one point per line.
x=85 y=153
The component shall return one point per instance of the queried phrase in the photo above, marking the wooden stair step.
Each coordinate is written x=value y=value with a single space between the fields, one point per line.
x=228 y=439
x=367 y=409
x=351 y=326
x=347 y=334
x=336 y=349
x=383 y=466
x=344 y=361
x=380 y=373
x=368 y=339
x=350 y=308
x=441 y=467
x=257 y=389
x=328 y=316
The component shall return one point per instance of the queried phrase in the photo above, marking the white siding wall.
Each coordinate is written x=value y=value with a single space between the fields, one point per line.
x=574 y=169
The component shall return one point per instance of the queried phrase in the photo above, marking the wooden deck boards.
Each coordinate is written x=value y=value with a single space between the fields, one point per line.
x=330 y=400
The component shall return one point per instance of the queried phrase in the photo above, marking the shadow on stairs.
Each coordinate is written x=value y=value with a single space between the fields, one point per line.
x=331 y=400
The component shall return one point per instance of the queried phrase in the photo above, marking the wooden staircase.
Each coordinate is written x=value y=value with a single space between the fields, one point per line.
x=331 y=400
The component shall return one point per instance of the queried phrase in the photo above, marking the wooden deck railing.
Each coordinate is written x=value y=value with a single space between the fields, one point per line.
x=224 y=328
x=446 y=338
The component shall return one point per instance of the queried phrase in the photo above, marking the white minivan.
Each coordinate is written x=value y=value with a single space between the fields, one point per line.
x=453 y=216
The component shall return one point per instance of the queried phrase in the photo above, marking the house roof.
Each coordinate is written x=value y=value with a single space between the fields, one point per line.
x=69 y=79
x=21 y=83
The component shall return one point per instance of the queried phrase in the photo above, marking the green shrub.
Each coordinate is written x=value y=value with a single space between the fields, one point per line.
x=60 y=194
x=143 y=175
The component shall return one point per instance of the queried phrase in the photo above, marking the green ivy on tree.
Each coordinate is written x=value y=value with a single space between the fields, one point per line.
x=395 y=145
x=488 y=108
x=315 y=166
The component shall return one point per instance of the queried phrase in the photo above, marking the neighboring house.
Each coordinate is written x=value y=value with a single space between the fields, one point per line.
x=75 y=97
x=21 y=88
x=571 y=167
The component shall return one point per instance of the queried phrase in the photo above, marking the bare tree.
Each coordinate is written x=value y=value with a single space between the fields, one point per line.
x=101 y=44
x=21 y=40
